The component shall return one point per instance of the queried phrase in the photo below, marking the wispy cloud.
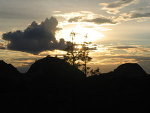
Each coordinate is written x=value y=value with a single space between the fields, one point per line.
x=75 y=19
x=56 y=11
x=2 y=46
x=124 y=47
x=134 y=15
x=86 y=16
x=77 y=15
x=101 y=20
x=114 y=7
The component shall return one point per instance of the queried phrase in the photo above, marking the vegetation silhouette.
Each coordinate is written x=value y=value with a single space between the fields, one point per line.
x=78 y=54
x=53 y=85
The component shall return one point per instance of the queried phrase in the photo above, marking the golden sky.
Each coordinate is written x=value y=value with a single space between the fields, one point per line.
x=119 y=28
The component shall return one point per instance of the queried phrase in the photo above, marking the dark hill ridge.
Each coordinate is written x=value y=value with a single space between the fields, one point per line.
x=53 y=73
x=9 y=78
x=57 y=66
x=53 y=66
x=131 y=69
x=7 y=70
x=52 y=85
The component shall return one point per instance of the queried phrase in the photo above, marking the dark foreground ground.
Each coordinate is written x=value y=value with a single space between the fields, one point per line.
x=53 y=86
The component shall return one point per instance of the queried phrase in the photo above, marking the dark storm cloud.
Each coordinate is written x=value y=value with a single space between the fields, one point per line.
x=101 y=20
x=35 y=38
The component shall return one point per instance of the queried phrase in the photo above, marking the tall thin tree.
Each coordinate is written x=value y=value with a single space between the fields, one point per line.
x=78 y=54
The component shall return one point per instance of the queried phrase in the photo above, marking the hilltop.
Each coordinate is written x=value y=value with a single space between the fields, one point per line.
x=53 y=85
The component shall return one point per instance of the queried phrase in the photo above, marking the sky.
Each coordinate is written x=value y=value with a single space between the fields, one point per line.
x=33 y=29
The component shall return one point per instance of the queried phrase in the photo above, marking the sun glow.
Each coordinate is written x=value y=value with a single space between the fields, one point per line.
x=81 y=32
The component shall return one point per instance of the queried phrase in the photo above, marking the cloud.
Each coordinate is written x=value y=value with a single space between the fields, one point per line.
x=86 y=16
x=35 y=38
x=101 y=20
x=129 y=49
x=124 y=47
x=56 y=11
x=2 y=46
x=97 y=20
x=75 y=19
x=114 y=7
x=75 y=16
x=140 y=16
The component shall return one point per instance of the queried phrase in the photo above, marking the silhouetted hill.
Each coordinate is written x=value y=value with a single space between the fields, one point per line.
x=8 y=77
x=125 y=88
x=7 y=70
x=54 y=80
x=53 y=72
x=10 y=88
x=52 y=85
x=129 y=70
x=51 y=66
